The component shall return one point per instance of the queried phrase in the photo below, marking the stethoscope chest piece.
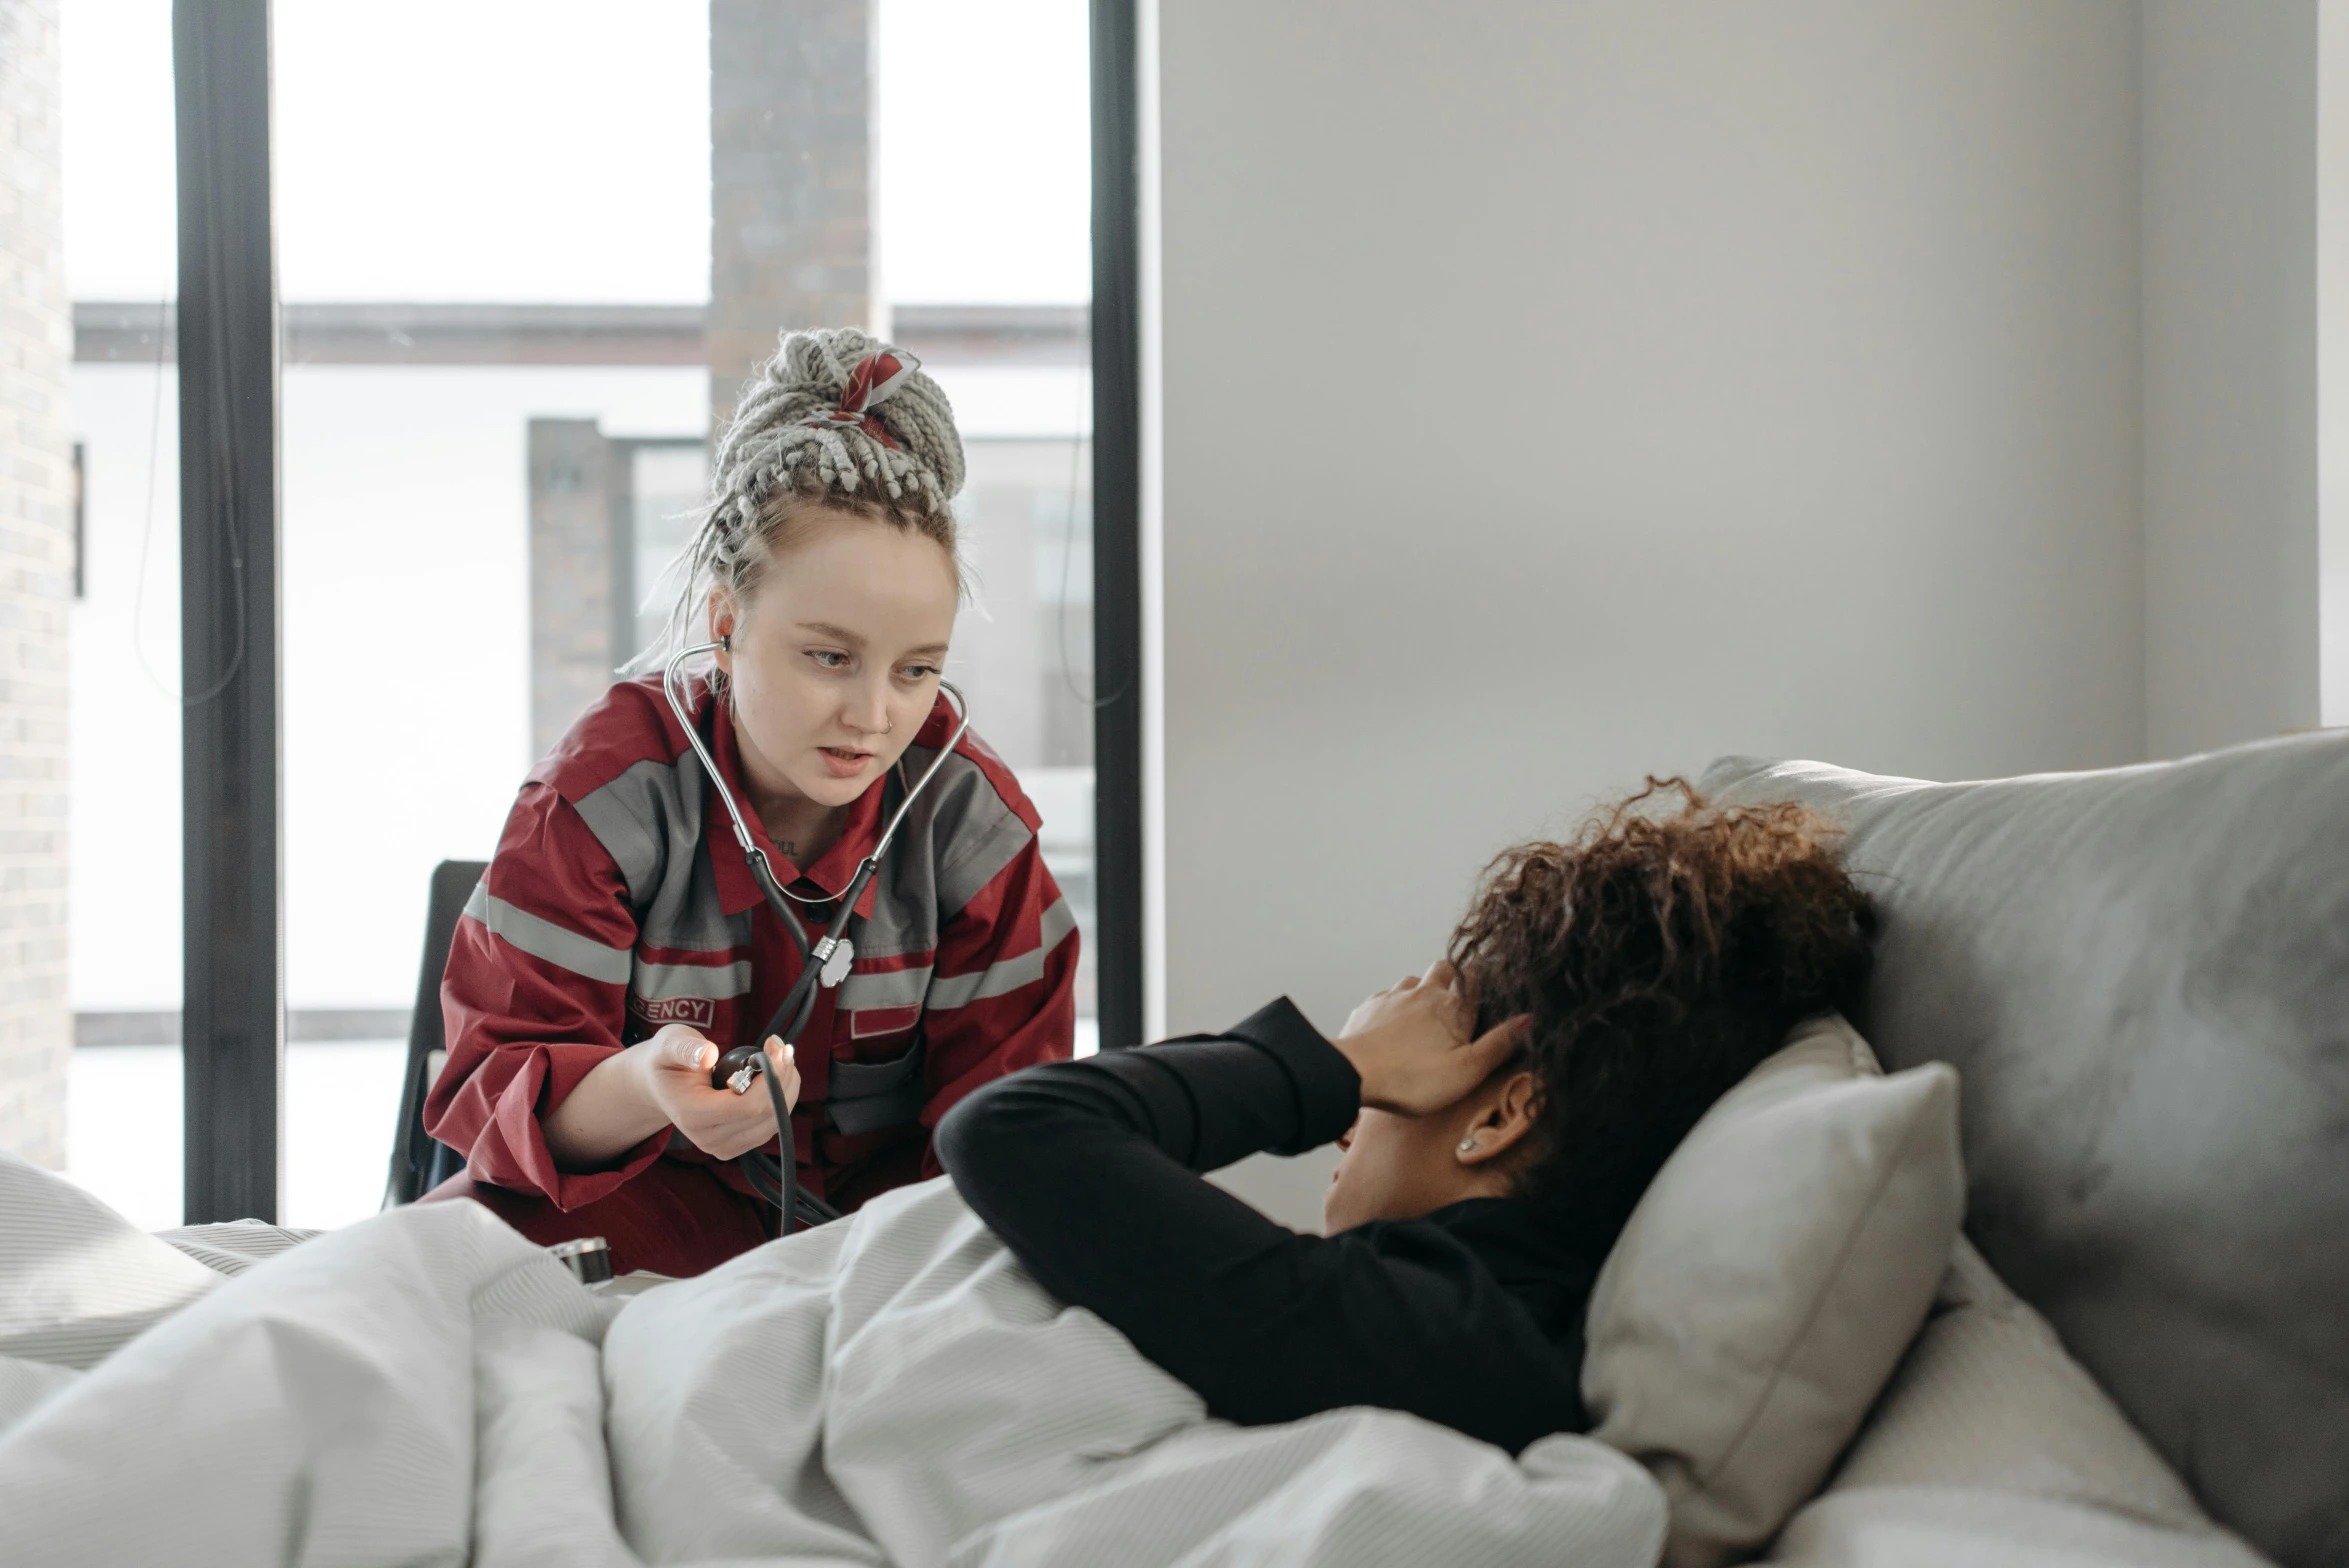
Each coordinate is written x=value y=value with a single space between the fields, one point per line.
x=738 y=1067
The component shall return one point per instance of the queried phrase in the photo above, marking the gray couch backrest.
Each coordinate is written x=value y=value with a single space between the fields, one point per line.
x=2142 y=976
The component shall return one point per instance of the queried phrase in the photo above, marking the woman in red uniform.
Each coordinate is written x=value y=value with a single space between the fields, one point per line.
x=619 y=943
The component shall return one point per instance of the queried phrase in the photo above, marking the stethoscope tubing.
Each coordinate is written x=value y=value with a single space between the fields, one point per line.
x=815 y=970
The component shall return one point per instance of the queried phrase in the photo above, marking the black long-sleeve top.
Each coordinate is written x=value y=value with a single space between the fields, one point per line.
x=1470 y=1316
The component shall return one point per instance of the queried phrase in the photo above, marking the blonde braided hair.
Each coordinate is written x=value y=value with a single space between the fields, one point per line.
x=790 y=450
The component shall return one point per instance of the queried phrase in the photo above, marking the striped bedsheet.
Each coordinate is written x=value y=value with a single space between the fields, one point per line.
x=427 y=1387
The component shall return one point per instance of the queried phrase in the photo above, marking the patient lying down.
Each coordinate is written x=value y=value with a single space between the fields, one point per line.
x=1500 y=1117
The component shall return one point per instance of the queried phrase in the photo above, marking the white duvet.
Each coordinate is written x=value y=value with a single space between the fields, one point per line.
x=428 y=1387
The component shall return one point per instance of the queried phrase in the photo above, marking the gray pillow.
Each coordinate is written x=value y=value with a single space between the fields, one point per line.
x=1768 y=1282
x=2143 y=975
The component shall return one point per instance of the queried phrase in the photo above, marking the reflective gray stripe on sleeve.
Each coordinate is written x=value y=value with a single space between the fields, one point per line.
x=648 y=820
x=622 y=816
x=526 y=932
x=1006 y=974
x=973 y=830
x=898 y=988
x=984 y=836
x=666 y=982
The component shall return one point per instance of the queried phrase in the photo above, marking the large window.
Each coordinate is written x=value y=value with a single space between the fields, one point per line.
x=123 y=721
x=527 y=250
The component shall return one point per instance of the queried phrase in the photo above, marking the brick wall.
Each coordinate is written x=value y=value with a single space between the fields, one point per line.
x=791 y=177
x=36 y=585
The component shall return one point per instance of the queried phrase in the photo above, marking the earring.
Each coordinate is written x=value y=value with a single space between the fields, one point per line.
x=725 y=642
x=1467 y=1144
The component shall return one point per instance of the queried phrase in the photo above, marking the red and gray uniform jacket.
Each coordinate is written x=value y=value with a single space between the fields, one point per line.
x=619 y=901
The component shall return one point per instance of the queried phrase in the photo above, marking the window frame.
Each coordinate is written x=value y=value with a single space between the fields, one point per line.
x=233 y=1005
x=1117 y=521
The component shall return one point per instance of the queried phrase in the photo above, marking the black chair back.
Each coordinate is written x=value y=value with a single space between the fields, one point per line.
x=420 y=1162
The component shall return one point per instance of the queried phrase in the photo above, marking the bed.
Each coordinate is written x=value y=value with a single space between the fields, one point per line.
x=2119 y=994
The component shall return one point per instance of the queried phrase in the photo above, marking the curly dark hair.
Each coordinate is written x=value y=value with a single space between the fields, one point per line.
x=1661 y=954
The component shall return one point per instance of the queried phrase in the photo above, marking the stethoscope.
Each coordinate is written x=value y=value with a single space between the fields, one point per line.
x=823 y=962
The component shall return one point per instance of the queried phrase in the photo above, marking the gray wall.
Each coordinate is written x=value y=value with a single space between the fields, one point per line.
x=2230 y=153
x=2332 y=295
x=1560 y=392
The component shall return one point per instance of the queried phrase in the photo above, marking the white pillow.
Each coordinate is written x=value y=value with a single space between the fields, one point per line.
x=1992 y=1444
x=77 y=1280
x=1768 y=1282
x=1956 y=1527
x=233 y=1246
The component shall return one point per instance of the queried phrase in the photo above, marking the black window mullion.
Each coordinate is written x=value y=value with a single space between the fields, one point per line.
x=1117 y=522
x=233 y=1006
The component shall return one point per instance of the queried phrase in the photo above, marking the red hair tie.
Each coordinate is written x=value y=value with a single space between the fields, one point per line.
x=874 y=379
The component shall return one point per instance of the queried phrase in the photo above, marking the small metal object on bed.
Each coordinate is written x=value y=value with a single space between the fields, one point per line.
x=589 y=1258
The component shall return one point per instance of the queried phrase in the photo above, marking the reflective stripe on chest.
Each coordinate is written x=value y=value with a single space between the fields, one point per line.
x=865 y=1023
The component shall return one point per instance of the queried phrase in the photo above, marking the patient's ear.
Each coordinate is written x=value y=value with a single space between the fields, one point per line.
x=1503 y=1118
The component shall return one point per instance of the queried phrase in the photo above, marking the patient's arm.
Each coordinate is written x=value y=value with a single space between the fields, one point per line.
x=1087 y=1171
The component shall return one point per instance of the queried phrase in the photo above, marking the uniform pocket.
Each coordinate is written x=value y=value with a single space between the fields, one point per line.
x=868 y=1096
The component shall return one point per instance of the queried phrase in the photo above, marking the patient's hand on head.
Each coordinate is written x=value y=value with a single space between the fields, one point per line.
x=1410 y=1043
x=1437 y=1109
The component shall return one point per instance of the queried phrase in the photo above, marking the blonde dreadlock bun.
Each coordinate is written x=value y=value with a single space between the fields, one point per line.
x=779 y=438
x=791 y=441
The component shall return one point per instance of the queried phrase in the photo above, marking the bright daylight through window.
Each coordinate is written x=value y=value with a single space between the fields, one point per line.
x=528 y=250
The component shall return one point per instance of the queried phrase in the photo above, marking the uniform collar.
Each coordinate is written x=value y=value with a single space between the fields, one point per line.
x=738 y=889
